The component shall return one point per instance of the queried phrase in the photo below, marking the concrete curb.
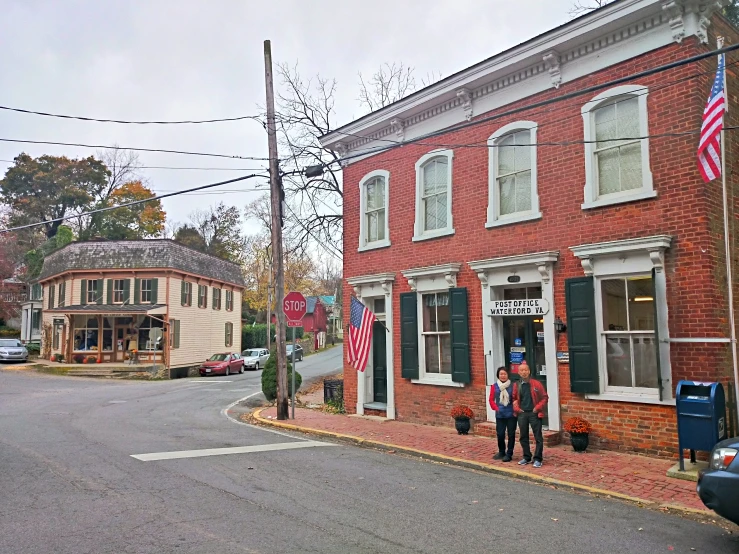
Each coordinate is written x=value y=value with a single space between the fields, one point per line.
x=480 y=466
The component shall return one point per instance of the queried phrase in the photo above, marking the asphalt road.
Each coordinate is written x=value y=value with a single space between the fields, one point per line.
x=70 y=484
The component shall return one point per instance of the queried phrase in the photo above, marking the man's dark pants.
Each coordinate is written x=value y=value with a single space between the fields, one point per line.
x=526 y=419
x=503 y=424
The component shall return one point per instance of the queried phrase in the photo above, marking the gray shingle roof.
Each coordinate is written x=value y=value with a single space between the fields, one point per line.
x=139 y=254
x=106 y=308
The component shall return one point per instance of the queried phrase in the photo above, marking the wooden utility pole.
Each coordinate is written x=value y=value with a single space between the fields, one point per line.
x=276 y=201
x=269 y=306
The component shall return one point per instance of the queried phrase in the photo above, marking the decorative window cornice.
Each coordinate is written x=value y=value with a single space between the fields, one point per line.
x=446 y=271
x=654 y=246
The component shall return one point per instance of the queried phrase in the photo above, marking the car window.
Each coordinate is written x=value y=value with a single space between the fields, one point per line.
x=251 y=353
x=236 y=356
x=10 y=342
x=218 y=358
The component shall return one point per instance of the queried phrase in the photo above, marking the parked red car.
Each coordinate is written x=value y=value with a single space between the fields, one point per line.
x=224 y=363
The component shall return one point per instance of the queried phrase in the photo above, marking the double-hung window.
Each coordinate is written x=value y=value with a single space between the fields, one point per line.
x=373 y=227
x=616 y=154
x=92 y=291
x=434 y=195
x=437 y=345
x=119 y=286
x=627 y=336
x=146 y=291
x=202 y=296
x=186 y=293
x=216 y=298
x=513 y=193
x=229 y=300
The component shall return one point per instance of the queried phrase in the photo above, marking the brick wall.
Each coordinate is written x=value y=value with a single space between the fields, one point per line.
x=685 y=208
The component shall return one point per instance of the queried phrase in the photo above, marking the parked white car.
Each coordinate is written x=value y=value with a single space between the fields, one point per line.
x=12 y=350
x=255 y=358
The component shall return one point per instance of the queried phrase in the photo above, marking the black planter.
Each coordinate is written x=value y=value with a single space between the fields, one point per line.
x=462 y=425
x=580 y=441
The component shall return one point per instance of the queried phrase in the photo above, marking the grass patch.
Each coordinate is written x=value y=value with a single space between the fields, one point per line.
x=56 y=370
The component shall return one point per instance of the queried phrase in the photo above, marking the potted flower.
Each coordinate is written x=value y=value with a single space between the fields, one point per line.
x=462 y=416
x=58 y=357
x=78 y=358
x=579 y=430
x=91 y=360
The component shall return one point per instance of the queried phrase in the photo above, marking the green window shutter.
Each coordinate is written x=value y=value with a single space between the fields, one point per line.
x=110 y=291
x=581 y=335
x=137 y=291
x=51 y=296
x=183 y=293
x=176 y=333
x=83 y=291
x=62 y=294
x=215 y=300
x=154 y=290
x=409 y=335
x=205 y=296
x=127 y=291
x=99 y=292
x=460 y=335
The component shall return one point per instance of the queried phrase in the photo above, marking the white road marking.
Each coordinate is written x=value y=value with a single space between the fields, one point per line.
x=223 y=451
x=209 y=381
x=117 y=401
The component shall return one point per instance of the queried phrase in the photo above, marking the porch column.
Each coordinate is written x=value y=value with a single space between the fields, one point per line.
x=100 y=338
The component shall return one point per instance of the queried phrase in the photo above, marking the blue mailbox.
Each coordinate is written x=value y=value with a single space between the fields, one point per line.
x=701 y=417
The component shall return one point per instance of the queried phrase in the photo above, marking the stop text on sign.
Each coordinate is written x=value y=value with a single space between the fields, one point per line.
x=536 y=306
x=294 y=305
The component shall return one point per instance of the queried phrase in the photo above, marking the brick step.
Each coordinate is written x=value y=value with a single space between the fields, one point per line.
x=487 y=429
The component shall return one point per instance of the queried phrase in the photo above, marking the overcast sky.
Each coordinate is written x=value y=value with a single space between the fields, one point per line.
x=173 y=60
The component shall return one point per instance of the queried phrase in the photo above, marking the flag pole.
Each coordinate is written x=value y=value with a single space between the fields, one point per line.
x=729 y=280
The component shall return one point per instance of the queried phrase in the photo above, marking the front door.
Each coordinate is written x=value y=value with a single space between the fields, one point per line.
x=524 y=340
x=120 y=344
x=379 y=362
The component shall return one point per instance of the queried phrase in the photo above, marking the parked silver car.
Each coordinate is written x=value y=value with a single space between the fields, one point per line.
x=255 y=358
x=12 y=350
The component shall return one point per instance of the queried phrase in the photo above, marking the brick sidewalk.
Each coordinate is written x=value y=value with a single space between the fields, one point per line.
x=634 y=476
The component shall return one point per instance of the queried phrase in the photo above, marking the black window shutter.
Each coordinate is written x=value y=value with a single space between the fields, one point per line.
x=127 y=291
x=460 y=335
x=409 y=335
x=137 y=291
x=215 y=299
x=183 y=293
x=154 y=290
x=110 y=291
x=83 y=291
x=99 y=292
x=656 y=333
x=581 y=335
x=176 y=333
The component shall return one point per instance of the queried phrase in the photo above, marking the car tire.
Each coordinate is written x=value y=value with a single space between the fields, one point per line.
x=241 y=369
x=256 y=366
x=228 y=371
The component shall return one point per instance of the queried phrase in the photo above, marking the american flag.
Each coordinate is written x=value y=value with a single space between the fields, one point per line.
x=709 y=148
x=361 y=320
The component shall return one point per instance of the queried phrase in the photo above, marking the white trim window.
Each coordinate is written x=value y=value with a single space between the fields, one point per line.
x=119 y=287
x=435 y=352
x=146 y=291
x=512 y=195
x=627 y=334
x=374 y=230
x=434 y=195
x=616 y=160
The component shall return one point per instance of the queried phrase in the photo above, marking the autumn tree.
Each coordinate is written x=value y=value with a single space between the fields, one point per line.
x=145 y=220
x=34 y=258
x=49 y=188
x=215 y=230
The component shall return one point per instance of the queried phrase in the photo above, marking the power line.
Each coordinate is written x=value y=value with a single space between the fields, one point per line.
x=330 y=249
x=158 y=150
x=128 y=204
x=83 y=118
x=542 y=103
x=188 y=168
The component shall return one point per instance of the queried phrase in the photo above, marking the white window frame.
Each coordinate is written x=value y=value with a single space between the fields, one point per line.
x=419 y=233
x=92 y=291
x=494 y=217
x=427 y=280
x=229 y=300
x=364 y=244
x=148 y=290
x=116 y=290
x=622 y=259
x=188 y=294
x=592 y=198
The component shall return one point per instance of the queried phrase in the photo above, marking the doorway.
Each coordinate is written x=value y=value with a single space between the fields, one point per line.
x=523 y=339
x=379 y=362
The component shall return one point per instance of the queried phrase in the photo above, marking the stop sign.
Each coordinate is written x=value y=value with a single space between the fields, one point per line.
x=294 y=306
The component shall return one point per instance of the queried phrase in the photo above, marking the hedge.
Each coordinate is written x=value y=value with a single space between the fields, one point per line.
x=256 y=336
x=269 y=377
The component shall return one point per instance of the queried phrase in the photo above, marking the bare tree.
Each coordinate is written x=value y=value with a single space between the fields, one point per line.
x=579 y=7
x=388 y=84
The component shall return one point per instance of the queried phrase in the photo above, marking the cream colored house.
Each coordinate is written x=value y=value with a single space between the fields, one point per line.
x=151 y=300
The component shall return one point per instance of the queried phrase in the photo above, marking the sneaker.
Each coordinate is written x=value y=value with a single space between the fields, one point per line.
x=537 y=463
x=507 y=458
x=499 y=456
x=524 y=462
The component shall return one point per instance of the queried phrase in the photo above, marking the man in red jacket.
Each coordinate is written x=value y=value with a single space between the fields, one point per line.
x=529 y=401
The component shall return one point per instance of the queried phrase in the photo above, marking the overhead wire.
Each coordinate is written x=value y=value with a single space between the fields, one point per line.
x=128 y=122
x=330 y=249
x=129 y=204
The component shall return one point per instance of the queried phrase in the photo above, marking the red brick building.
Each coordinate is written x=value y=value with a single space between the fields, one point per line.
x=477 y=245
